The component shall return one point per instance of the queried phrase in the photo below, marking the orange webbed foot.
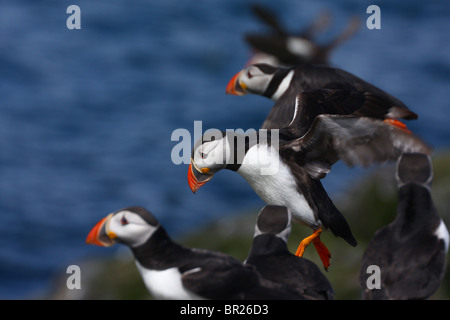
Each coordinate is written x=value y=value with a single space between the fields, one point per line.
x=322 y=250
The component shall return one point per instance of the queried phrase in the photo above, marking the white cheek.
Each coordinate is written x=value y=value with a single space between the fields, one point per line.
x=140 y=234
x=215 y=156
x=133 y=234
x=260 y=84
x=220 y=155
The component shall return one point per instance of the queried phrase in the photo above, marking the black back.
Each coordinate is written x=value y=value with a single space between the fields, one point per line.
x=314 y=77
x=217 y=275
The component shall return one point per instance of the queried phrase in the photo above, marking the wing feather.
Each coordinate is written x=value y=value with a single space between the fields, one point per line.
x=358 y=141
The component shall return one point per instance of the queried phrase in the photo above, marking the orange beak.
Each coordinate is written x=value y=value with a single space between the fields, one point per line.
x=196 y=179
x=235 y=87
x=99 y=235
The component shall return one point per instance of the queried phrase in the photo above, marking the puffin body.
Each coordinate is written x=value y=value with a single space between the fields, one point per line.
x=286 y=183
x=411 y=250
x=269 y=255
x=285 y=170
x=283 y=85
x=172 y=271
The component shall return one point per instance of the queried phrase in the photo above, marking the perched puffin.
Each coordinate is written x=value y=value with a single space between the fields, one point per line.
x=172 y=271
x=283 y=84
x=283 y=48
x=410 y=252
x=284 y=169
x=271 y=258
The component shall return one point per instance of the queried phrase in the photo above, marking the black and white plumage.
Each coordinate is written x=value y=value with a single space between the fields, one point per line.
x=284 y=84
x=284 y=169
x=279 y=47
x=270 y=256
x=172 y=271
x=411 y=251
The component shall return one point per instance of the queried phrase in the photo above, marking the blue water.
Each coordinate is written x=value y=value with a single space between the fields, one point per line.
x=87 y=115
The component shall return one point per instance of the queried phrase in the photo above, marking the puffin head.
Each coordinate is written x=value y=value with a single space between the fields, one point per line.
x=274 y=220
x=254 y=79
x=414 y=168
x=209 y=155
x=132 y=226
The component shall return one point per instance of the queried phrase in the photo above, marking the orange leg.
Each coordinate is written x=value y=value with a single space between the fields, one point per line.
x=322 y=250
x=305 y=242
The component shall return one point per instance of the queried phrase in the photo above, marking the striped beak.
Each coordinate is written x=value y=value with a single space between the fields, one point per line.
x=235 y=86
x=197 y=178
x=100 y=234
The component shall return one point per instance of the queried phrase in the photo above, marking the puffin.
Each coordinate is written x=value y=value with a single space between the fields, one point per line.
x=279 y=47
x=271 y=257
x=283 y=84
x=171 y=271
x=285 y=168
x=410 y=252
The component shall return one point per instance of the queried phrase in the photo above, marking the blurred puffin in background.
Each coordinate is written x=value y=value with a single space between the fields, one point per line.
x=279 y=47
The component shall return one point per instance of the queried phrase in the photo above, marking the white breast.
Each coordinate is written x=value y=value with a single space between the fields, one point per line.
x=275 y=186
x=166 y=284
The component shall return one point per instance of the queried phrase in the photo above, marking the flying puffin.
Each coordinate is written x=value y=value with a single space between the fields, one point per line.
x=283 y=84
x=272 y=259
x=285 y=169
x=172 y=271
x=283 y=48
x=410 y=252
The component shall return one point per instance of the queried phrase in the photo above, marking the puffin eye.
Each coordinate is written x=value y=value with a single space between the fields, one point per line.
x=123 y=221
x=249 y=74
x=203 y=155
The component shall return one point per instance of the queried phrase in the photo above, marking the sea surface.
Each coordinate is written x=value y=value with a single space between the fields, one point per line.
x=87 y=115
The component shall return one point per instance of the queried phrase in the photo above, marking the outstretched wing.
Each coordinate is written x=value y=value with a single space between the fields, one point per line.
x=356 y=140
x=309 y=104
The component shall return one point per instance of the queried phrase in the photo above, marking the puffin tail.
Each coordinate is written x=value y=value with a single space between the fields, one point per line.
x=333 y=220
x=329 y=215
x=340 y=228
